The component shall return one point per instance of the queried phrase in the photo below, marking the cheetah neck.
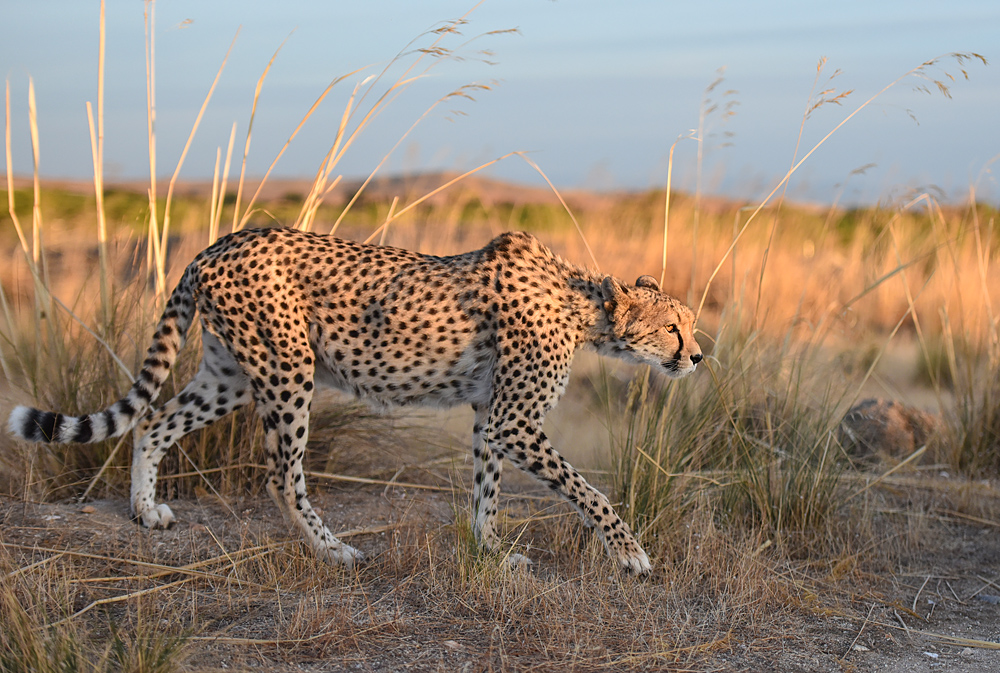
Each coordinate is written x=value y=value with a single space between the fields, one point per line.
x=586 y=302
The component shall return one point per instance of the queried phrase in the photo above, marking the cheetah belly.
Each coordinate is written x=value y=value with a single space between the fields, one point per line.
x=450 y=379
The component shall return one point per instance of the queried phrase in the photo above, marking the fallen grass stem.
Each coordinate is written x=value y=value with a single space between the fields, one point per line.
x=973 y=519
x=190 y=569
x=119 y=599
x=162 y=587
x=384 y=482
x=36 y=564
x=212 y=470
x=909 y=459
x=939 y=637
x=562 y=201
x=860 y=631
x=228 y=640
x=724 y=641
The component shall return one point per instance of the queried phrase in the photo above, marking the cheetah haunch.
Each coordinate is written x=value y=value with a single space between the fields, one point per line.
x=496 y=328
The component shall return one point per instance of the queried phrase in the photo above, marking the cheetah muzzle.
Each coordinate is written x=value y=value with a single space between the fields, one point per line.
x=496 y=328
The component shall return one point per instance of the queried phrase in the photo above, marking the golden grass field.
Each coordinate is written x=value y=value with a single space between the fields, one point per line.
x=778 y=544
x=774 y=544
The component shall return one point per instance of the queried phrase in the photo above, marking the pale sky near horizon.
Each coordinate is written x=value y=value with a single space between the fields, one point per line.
x=596 y=91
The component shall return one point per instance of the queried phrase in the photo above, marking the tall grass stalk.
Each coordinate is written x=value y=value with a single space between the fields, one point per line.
x=813 y=103
x=343 y=141
x=237 y=223
x=41 y=291
x=97 y=152
x=253 y=200
x=219 y=191
x=161 y=263
x=154 y=255
x=36 y=209
x=11 y=209
x=666 y=205
x=920 y=71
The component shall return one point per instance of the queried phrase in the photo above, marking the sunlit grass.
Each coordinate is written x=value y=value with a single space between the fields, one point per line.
x=730 y=477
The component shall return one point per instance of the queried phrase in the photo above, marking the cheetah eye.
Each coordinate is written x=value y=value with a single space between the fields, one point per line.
x=672 y=329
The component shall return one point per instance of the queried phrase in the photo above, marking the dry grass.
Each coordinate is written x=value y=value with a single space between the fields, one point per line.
x=422 y=598
x=223 y=590
x=766 y=538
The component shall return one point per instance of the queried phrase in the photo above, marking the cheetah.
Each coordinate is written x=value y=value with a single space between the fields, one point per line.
x=495 y=328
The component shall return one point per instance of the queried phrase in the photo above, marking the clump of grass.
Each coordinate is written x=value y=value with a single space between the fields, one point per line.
x=658 y=464
x=972 y=424
x=753 y=437
x=975 y=425
x=32 y=641
x=147 y=649
x=27 y=645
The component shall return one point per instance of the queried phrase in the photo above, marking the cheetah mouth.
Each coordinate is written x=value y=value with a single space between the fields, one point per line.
x=675 y=369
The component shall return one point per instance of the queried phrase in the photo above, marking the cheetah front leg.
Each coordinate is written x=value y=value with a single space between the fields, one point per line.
x=282 y=376
x=286 y=426
x=524 y=443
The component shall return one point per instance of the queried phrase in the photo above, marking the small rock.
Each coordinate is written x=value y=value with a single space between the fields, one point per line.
x=967 y=652
x=452 y=644
x=875 y=427
x=861 y=648
x=199 y=528
x=51 y=517
x=932 y=655
x=88 y=509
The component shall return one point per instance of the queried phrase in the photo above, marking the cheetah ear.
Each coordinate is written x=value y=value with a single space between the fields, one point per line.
x=647 y=282
x=616 y=304
x=613 y=291
x=615 y=296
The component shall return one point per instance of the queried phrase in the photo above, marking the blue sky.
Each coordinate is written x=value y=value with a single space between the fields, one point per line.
x=596 y=91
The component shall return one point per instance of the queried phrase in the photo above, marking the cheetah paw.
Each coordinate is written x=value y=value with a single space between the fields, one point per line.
x=636 y=563
x=342 y=555
x=157 y=517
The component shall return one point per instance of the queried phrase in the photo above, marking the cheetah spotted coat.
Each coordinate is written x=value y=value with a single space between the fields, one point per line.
x=496 y=328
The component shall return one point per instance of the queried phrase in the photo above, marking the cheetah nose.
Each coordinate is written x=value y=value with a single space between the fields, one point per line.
x=696 y=358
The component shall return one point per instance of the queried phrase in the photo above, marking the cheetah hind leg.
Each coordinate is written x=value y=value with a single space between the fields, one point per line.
x=487 y=468
x=218 y=388
x=290 y=497
x=285 y=440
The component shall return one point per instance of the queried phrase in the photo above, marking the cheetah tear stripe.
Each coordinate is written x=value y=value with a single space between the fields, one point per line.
x=495 y=328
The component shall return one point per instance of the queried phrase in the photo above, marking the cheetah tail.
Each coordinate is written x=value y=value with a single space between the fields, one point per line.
x=52 y=427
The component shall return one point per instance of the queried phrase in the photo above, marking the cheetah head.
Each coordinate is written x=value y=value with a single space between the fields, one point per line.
x=649 y=327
